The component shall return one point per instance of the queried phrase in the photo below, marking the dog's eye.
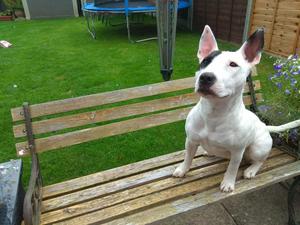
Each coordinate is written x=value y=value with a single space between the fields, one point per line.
x=233 y=64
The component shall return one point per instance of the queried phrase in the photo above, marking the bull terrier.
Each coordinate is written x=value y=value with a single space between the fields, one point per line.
x=220 y=122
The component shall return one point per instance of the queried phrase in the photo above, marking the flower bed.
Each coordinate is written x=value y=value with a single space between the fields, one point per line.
x=286 y=83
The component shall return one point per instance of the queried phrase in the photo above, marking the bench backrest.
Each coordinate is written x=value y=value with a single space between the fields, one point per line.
x=72 y=121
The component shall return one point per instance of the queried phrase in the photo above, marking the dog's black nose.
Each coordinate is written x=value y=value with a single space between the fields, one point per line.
x=207 y=79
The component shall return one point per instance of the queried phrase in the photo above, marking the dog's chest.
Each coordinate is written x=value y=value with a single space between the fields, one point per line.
x=214 y=137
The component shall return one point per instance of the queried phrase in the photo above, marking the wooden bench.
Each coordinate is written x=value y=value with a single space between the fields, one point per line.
x=138 y=193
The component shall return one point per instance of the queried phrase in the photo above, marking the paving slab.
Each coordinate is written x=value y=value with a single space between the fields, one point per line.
x=267 y=206
x=213 y=214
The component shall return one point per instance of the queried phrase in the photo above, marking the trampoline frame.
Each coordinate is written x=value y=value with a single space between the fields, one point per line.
x=92 y=15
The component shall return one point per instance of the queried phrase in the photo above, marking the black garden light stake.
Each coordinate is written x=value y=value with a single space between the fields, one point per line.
x=166 y=15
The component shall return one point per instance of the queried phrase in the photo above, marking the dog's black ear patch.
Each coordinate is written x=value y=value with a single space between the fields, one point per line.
x=254 y=44
x=207 y=60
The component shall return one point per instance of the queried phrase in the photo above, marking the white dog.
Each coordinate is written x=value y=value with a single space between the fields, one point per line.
x=220 y=123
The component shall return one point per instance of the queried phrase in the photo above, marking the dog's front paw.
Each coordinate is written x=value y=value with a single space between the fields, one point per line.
x=227 y=186
x=179 y=171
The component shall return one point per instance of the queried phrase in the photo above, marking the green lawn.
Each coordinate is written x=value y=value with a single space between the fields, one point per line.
x=56 y=59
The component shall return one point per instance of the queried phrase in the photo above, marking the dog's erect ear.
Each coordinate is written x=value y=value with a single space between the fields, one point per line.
x=252 y=48
x=207 y=43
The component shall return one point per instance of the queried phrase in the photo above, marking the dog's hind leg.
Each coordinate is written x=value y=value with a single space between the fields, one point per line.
x=257 y=154
x=183 y=168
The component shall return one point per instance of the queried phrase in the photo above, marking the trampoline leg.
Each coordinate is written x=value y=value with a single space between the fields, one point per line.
x=128 y=28
x=107 y=21
x=91 y=28
x=129 y=33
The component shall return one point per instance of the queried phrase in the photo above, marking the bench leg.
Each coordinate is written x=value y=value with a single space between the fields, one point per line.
x=291 y=196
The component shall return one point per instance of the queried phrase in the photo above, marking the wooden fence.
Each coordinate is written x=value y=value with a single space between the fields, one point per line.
x=281 y=20
x=225 y=17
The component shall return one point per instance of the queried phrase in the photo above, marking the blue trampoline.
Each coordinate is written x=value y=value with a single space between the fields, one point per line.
x=92 y=10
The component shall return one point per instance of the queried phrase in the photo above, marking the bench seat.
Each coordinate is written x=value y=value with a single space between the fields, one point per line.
x=145 y=191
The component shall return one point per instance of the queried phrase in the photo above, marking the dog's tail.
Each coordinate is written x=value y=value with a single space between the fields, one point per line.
x=284 y=127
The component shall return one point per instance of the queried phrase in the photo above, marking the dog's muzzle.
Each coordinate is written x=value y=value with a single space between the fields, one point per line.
x=206 y=80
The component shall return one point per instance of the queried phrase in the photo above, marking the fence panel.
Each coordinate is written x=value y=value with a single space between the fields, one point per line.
x=281 y=20
x=225 y=17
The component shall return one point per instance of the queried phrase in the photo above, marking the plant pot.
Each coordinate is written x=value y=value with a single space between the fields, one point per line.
x=6 y=18
x=19 y=13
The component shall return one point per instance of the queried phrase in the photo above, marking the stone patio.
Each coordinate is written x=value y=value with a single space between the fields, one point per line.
x=267 y=206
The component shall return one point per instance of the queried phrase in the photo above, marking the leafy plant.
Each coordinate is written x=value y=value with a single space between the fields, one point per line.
x=285 y=102
x=13 y=4
x=6 y=13
x=287 y=76
x=286 y=83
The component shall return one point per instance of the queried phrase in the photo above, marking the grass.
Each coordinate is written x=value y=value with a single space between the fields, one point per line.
x=57 y=59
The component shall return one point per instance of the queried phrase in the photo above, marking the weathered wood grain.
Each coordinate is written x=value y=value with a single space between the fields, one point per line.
x=81 y=119
x=197 y=186
x=140 y=191
x=129 y=194
x=89 y=134
x=118 y=185
x=212 y=195
x=85 y=135
x=83 y=182
x=87 y=101
x=97 y=116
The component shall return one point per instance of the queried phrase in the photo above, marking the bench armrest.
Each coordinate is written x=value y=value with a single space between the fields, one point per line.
x=33 y=198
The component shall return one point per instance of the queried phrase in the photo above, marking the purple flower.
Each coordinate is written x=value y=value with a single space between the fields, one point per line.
x=287 y=92
x=278 y=74
x=277 y=66
x=264 y=108
x=279 y=85
x=293 y=81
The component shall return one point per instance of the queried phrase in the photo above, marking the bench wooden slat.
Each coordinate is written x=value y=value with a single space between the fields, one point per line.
x=89 y=134
x=81 y=119
x=86 y=118
x=166 y=210
x=109 y=175
x=87 y=101
x=101 y=177
x=130 y=174
x=169 y=194
x=256 y=85
x=140 y=191
x=85 y=135
x=118 y=185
